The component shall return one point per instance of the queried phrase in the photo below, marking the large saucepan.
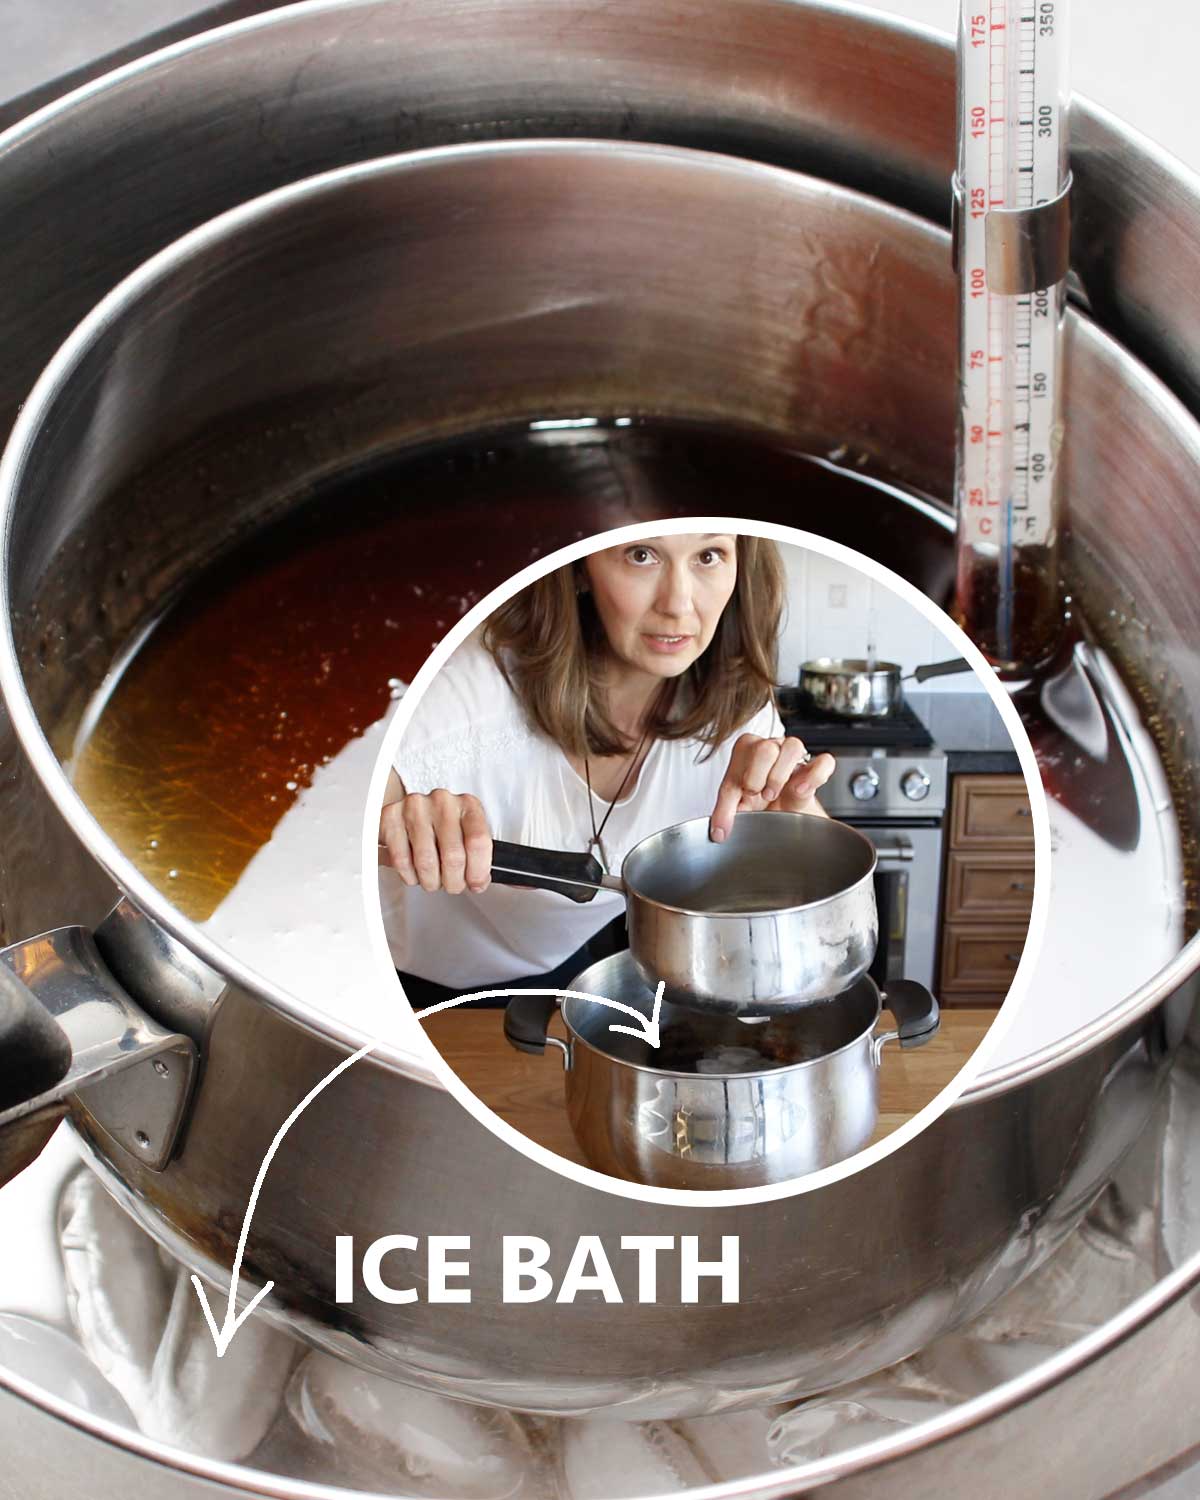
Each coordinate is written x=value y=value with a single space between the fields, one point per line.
x=329 y=305
x=914 y=1244
x=779 y=915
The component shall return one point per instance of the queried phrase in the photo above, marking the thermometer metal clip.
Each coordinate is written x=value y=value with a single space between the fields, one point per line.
x=1027 y=249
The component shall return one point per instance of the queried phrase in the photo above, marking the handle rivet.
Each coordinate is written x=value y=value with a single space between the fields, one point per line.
x=160 y=1067
x=142 y=1139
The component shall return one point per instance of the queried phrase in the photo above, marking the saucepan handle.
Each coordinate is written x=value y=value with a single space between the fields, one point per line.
x=527 y=1025
x=916 y=1012
x=576 y=876
x=67 y=1029
x=941 y=669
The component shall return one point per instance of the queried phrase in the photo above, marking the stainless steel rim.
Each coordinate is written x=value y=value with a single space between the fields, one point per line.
x=249 y=24
x=829 y=666
x=784 y=1069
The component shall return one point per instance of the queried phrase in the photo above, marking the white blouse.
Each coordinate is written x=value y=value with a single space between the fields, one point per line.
x=470 y=734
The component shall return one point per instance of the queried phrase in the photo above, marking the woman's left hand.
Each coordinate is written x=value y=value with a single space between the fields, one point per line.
x=772 y=776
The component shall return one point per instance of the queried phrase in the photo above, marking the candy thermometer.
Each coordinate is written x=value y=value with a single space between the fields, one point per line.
x=1012 y=246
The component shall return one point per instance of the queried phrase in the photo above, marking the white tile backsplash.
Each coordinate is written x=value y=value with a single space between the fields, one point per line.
x=830 y=607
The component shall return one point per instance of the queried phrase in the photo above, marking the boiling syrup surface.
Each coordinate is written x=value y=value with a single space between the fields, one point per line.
x=231 y=759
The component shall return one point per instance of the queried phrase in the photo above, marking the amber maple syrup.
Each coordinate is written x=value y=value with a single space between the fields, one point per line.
x=283 y=652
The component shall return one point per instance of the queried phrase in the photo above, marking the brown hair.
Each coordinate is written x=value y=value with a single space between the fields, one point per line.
x=547 y=641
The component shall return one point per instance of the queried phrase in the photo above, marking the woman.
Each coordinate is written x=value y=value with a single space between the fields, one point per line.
x=626 y=692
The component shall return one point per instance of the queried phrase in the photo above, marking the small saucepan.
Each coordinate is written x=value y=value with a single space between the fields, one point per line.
x=718 y=1104
x=852 y=688
x=781 y=914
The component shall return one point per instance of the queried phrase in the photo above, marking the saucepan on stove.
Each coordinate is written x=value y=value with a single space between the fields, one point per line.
x=853 y=688
x=718 y=1104
x=782 y=913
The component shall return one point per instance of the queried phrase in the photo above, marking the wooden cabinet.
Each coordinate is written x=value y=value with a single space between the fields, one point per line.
x=988 y=888
x=991 y=812
x=983 y=885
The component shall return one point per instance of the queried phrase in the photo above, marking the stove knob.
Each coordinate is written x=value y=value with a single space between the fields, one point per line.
x=915 y=785
x=864 y=785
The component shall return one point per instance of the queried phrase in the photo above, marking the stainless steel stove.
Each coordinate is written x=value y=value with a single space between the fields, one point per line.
x=890 y=782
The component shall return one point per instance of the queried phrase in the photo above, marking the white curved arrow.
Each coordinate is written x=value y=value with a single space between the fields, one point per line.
x=646 y=1029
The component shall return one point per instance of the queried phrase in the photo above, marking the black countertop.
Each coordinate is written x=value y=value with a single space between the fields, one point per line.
x=982 y=763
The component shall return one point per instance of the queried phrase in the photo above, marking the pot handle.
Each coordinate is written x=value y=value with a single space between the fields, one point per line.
x=527 y=1025
x=941 y=669
x=34 y=1055
x=576 y=876
x=916 y=1012
x=67 y=1030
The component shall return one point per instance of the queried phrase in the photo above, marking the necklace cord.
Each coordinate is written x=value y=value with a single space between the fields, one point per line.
x=597 y=833
x=664 y=698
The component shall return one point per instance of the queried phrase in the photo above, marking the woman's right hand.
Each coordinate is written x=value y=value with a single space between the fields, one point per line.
x=440 y=841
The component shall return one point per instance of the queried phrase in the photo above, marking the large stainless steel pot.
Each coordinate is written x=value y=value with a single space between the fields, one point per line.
x=780 y=915
x=99 y=182
x=717 y=1104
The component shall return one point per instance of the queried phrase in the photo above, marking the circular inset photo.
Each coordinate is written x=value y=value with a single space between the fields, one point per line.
x=707 y=857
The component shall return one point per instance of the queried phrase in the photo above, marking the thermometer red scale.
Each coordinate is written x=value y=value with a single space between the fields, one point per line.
x=1012 y=185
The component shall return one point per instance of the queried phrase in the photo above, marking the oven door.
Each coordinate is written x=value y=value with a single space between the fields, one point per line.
x=908 y=881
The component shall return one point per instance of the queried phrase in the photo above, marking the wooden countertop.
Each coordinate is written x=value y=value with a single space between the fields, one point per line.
x=527 y=1092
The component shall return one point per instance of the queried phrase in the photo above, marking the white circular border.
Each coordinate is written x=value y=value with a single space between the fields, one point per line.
x=957 y=638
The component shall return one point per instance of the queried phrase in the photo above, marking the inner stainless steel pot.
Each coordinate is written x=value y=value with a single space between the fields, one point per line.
x=112 y=175
x=357 y=309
